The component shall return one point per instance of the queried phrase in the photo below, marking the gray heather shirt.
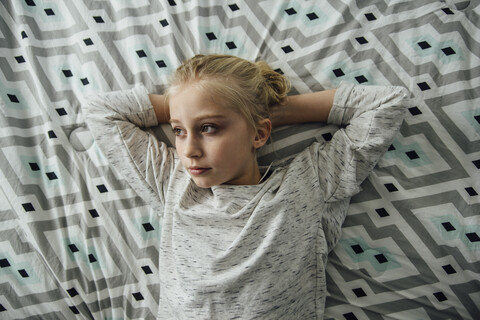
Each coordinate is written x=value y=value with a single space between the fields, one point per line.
x=258 y=251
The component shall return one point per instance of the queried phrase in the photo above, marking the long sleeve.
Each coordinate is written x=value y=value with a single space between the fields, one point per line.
x=370 y=116
x=117 y=121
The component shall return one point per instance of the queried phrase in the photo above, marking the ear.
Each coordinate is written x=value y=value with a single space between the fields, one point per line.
x=264 y=128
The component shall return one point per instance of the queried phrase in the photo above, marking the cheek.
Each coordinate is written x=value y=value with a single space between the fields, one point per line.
x=237 y=149
x=179 y=148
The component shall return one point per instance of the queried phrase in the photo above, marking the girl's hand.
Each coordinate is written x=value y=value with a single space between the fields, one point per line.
x=160 y=107
x=279 y=113
x=303 y=108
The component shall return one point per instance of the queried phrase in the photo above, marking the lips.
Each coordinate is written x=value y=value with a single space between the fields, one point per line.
x=197 y=171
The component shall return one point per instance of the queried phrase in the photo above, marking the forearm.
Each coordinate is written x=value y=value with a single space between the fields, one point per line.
x=160 y=107
x=132 y=105
x=303 y=108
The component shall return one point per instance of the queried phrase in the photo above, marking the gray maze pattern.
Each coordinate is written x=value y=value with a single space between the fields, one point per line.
x=77 y=242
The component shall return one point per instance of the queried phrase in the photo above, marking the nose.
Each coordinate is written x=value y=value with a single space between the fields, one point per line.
x=192 y=147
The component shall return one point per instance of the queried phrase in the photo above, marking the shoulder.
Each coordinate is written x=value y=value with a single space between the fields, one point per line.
x=299 y=163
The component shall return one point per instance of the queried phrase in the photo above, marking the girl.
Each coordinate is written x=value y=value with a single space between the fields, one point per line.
x=238 y=241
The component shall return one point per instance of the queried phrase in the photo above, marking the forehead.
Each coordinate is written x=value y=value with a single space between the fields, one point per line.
x=191 y=102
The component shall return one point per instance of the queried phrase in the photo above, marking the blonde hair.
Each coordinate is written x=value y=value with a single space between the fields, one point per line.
x=250 y=88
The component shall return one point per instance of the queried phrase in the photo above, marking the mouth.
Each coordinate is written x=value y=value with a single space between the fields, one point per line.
x=197 y=171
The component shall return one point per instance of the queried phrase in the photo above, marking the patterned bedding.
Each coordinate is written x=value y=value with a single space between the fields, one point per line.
x=77 y=243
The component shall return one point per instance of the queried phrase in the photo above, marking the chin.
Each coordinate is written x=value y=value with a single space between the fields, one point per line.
x=203 y=184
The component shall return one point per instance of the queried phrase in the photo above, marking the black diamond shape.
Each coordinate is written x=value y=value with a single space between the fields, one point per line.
x=98 y=19
x=338 y=73
x=4 y=263
x=23 y=273
x=24 y=35
x=164 y=22
x=211 y=36
x=447 y=11
x=290 y=11
x=449 y=269
x=28 y=207
x=476 y=163
x=233 y=7
x=391 y=187
x=73 y=248
x=412 y=155
x=382 y=212
x=161 y=64
x=147 y=270
x=361 y=79
x=20 y=59
x=477 y=118
x=423 y=86
x=312 y=16
x=231 y=45
x=138 y=296
x=357 y=249
x=448 y=51
x=148 y=227
x=473 y=237
x=424 y=45
x=141 y=54
x=414 y=111
x=2 y=308
x=279 y=71
x=34 y=166
x=471 y=191
x=391 y=148
x=102 y=188
x=91 y=258
x=361 y=40
x=440 y=296
x=85 y=81
x=172 y=3
x=448 y=226
x=72 y=292
x=287 y=49
x=370 y=16
x=61 y=111
x=88 y=42
x=30 y=3
x=359 y=292
x=350 y=316
x=327 y=136
x=49 y=12
x=74 y=310
x=67 y=73
x=13 y=98
x=381 y=258
x=51 y=134
x=93 y=213
x=51 y=175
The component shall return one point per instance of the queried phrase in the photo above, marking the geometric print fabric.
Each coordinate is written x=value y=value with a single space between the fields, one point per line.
x=77 y=242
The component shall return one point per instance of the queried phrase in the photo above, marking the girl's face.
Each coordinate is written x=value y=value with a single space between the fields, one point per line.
x=215 y=144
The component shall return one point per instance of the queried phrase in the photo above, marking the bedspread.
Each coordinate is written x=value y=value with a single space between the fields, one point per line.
x=76 y=242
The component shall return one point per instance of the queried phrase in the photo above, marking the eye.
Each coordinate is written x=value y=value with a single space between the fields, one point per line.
x=208 y=128
x=178 y=131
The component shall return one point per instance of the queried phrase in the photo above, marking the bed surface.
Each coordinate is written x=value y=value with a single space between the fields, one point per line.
x=76 y=242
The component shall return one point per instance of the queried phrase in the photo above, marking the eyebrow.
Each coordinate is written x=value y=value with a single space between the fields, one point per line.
x=207 y=116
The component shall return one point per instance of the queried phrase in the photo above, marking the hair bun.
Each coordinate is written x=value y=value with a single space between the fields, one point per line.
x=276 y=86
